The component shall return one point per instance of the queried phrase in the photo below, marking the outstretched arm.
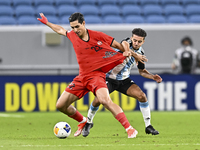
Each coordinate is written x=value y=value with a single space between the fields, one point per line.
x=146 y=74
x=58 y=29
x=124 y=47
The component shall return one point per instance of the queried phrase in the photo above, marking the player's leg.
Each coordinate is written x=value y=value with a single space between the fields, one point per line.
x=96 y=83
x=93 y=109
x=94 y=106
x=135 y=92
x=91 y=113
x=104 y=98
x=72 y=93
x=64 y=105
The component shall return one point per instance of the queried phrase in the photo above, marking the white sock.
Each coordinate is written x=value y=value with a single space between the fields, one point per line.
x=130 y=127
x=84 y=120
x=91 y=113
x=145 y=109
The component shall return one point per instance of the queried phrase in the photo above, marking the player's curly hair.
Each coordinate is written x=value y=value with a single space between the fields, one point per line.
x=139 y=32
x=77 y=16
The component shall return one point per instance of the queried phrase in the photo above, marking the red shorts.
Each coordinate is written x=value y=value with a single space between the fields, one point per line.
x=82 y=84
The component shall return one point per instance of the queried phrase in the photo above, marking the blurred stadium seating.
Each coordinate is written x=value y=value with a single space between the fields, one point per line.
x=66 y=10
x=146 y=11
x=7 y=20
x=127 y=2
x=42 y=2
x=89 y=10
x=194 y=19
x=134 y=19
x=131 y=10
x=173 y=9
x=6 y=11
x=188 y=2
x=21 y=2
x=110 y=10
x=22 y=10
x=85 y=2
x=93 y=19
x=177 y=19
x=151 y=9
x=64 y=2
x=147 y=2
x=156 y=19
x=5 y=3
x=169 y=2
x=25 y=20
x=110 y=19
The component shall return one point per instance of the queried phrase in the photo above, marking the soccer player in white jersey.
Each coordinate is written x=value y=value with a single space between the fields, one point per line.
x=118 y=79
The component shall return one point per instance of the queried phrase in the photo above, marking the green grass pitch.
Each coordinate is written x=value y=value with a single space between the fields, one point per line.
x=34 y=131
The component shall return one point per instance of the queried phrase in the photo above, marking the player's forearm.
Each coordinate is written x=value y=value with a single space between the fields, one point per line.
x=125 y=46
x=127 y=49
x=134 y=54
x=117 y=45
x=146 y=74
x=58 y=29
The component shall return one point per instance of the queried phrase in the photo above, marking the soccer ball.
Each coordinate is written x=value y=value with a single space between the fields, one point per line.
x=62 y=130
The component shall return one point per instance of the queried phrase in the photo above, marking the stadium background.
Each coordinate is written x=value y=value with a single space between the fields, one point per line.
x=37 y=65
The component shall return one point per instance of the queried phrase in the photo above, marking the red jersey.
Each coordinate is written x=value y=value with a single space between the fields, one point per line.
x=95 y=53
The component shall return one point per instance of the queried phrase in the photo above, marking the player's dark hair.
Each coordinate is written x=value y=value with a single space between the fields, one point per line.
x=139 y=32
x=187 y=38
x=77 y=16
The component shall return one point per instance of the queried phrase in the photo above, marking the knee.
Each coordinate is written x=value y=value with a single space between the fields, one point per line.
x=106 y=101
x=142 y=97
x=96 y=102
x=59 y=106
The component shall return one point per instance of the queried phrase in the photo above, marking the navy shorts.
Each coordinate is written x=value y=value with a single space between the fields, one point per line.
x=119 y=85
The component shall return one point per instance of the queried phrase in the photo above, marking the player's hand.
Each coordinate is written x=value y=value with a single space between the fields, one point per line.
x=157 y=78
x=140 y=58
x=173 y=66
x=127 y=53
x=43 y=19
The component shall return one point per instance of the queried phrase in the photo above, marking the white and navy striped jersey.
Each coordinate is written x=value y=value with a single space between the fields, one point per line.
x=122 y=71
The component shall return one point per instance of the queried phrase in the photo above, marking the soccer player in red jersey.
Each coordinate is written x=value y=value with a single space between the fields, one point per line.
x=95 y=58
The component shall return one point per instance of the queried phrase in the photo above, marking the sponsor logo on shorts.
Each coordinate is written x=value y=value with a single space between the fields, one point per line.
x=71 y=85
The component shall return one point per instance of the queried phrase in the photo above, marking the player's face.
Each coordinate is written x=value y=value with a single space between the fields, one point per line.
x=78 y=28
x=137 y=41
x=186 y=43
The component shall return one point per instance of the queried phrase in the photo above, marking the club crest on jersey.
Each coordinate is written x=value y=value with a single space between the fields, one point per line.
x=99 y=43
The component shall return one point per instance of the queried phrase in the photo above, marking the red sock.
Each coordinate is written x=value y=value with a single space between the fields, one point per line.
x=121 y=117
x=77 y=116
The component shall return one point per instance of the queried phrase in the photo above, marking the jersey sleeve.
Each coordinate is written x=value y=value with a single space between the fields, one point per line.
x=141 y=65
x=69 y=33
x=66 y=33
x=128 y=40
x=106 y=38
